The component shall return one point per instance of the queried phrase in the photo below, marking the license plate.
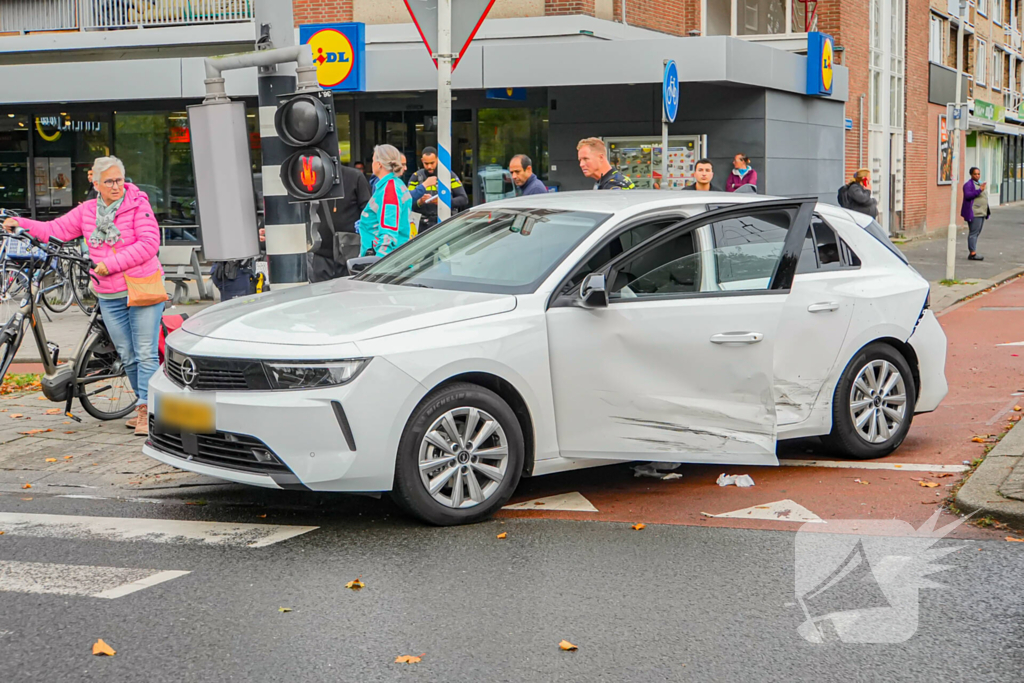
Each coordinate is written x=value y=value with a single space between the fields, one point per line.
x=181 y=414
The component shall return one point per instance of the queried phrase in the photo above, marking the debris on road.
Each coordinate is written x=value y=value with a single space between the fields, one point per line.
x=408 y=659
x=355 y=585
x=638 y=526
x=860 y=481
x=657 y=470
x=567 y=646
x=503 y=535
x=741 y=480
x=101 y=648
x=284 y=609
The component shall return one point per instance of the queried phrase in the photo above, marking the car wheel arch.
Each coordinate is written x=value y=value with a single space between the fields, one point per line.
x=508 y=393
x=901 y=347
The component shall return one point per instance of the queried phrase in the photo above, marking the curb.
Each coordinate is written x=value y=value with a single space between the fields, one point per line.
x=980 y=491
x=972 y=291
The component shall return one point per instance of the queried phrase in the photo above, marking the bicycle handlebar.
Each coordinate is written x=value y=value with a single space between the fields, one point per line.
x=52 y=247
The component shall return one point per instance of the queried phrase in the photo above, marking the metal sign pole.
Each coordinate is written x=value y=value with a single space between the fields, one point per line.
x=664 y=152
x=444 y=109
x=954 y=126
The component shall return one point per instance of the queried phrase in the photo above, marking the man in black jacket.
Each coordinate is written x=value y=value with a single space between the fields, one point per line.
x=423 y=188
x=342 y=215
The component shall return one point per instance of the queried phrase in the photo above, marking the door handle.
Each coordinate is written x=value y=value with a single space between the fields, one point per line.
x=824 y=306
x=737 y=338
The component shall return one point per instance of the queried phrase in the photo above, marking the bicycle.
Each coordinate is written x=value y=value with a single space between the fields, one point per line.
x=96 y=361
x=58 y=293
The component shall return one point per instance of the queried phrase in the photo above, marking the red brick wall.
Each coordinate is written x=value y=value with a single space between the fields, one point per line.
x=677 y=17
x=918 y=154
x=846 y=21
x=320 y=11
x=555 y=7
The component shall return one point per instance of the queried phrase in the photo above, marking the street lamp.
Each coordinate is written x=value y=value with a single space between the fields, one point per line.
x=954 y=126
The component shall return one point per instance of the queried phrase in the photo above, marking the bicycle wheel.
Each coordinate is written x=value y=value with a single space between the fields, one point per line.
x=103 y=387
x=58 y=289
x=82 y=285
x=14 y=290
x=10 y=340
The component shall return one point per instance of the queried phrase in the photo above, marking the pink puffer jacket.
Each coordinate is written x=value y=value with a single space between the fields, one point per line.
x=134 y=255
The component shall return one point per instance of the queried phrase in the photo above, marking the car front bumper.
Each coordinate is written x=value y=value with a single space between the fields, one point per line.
x=303 y=431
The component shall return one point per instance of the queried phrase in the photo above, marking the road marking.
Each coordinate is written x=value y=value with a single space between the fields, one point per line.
x=860 y=465
x=1002 y=308
x=122 y=500
x=1020 y=343
x=151 y=530
x=563 y=502
x=69 y=579
x=779 y=511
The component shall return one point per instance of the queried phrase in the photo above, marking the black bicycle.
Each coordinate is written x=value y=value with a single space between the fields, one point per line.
x=96 y=376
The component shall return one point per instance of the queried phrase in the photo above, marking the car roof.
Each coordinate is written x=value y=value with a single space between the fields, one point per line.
x=632 y=201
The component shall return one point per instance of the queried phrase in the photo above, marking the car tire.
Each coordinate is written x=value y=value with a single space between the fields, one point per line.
x=864 y=424
x=473 y=480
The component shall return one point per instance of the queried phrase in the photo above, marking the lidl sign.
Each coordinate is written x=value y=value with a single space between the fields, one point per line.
x=820 y=63
x=339 y=51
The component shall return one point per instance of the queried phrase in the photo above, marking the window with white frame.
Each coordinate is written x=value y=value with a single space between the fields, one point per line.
x=997 y=69
x=981 y=62
x=983 y=6
x=896 y=52
x=997 y=11
x=936 y=31
x=759 y=17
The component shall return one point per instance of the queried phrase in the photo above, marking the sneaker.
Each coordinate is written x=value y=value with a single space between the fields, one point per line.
x=975 y=257
x=142 y=421
x=130 y=424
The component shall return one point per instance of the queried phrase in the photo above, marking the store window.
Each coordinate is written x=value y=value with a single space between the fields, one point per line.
x=343 y=123
x=65 y=146
x=936 y=32
x=503 y=134
x=14 y=131
x=759 y=17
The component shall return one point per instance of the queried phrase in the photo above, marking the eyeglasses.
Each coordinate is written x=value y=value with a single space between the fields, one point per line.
x=114 y=182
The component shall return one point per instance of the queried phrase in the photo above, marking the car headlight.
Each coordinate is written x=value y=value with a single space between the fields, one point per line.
x=312 y=374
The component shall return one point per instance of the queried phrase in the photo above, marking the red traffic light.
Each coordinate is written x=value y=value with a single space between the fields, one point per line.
x=303 y=121
x=309 y=174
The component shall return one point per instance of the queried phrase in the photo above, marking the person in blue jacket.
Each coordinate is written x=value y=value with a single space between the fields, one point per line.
x=384 y=224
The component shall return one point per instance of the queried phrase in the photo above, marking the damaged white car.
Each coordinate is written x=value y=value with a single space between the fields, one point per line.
x=543 y=334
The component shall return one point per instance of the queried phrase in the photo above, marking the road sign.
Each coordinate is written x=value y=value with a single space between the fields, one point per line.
x=467 y=16
x=848 y=124
x=670 y=91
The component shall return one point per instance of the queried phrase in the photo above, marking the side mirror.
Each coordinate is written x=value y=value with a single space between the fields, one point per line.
x=594 y=292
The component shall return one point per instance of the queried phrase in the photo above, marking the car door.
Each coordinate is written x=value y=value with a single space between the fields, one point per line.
x=815 y=321
x=678 y=365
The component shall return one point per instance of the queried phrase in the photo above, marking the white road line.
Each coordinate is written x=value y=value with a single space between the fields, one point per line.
x=860 y=465
x=69 y=579
x=566 y=502
x=150 y=530
x=779 y=511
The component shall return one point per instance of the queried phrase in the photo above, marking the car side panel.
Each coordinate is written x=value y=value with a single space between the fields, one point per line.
x=929 y=342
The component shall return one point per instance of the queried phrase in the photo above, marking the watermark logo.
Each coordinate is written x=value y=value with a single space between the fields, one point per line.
x=859 y=581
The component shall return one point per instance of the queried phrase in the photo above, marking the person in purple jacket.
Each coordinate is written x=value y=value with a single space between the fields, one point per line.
x=742 y=174
x=124 y=240
x=975 y=210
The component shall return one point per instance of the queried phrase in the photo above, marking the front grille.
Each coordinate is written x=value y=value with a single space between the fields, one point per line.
x=222 y=449
x=216 y=374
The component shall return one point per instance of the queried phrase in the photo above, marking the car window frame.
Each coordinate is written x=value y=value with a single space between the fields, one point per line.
x=780 y=283
x=846 y=252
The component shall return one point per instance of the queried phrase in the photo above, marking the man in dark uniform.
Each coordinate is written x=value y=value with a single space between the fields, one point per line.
x=423 y=188
x=593 y=158
x=338 y=215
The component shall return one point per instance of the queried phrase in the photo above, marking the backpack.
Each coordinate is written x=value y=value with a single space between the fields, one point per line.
x=169 y=323
x=843 y=196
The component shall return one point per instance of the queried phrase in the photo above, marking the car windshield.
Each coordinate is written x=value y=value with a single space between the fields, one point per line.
x=501 y=251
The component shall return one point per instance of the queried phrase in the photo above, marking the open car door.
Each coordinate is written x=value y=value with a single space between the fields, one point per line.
x=665 y=353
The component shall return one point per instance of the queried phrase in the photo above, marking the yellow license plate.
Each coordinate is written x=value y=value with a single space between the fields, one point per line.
x=175 y=413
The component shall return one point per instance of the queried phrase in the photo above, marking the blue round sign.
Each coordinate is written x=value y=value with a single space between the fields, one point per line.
x=670 y=91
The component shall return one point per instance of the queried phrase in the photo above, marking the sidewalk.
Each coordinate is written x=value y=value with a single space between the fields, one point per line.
x=1001 y=243
x=996 y=488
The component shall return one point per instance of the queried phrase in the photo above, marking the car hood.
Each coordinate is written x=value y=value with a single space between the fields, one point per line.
x=340 y=311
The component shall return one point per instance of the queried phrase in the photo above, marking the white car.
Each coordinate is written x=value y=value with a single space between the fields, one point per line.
x=549 y=333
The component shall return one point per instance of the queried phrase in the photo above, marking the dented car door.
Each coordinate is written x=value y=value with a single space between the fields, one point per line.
x=676 y=363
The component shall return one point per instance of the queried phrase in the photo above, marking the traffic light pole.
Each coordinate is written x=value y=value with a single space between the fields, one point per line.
x=444 y=109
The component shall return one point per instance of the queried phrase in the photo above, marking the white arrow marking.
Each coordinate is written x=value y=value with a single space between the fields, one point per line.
x=779 y=511
x=564 y=502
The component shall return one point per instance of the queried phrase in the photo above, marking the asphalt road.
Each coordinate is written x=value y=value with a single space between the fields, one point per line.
x=667 y=602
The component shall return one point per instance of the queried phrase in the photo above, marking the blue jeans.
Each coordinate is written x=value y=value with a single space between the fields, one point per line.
x=135 y=332
x=975 y=231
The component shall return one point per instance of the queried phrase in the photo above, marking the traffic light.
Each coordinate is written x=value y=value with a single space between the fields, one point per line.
x=305 y=124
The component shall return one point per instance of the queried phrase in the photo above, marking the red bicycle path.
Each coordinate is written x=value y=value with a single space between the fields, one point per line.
x=982 y=378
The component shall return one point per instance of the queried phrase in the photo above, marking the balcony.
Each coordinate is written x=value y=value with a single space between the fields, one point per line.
x=35 y=16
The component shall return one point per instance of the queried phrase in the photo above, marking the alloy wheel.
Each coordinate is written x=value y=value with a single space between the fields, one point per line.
x=463 y=457
x=878 y=401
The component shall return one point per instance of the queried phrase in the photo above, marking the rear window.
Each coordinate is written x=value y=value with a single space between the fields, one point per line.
x=878 y=232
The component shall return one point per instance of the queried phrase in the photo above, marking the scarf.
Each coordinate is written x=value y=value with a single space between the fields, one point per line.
x=106 y=232
x=741 y=171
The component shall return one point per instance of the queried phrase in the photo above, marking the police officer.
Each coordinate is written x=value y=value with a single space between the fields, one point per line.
x=594 y=163
x=423 y=187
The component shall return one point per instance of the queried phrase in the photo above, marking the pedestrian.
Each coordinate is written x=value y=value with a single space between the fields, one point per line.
x=856 y=194
x=423 y=186
x=593 y=158
x=124 y=241
x=338 y=216
x=703 y=174
x=384 y=224
x=975 y=210
x=521 y=168
x=405 y=168
x=360 y=166
x=92 y=193
x=742 y=174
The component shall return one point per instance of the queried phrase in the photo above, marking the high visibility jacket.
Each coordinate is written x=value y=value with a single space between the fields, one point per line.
x=384 y=224
x=428 y=210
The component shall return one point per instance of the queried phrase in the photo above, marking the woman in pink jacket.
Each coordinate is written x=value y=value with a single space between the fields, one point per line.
x=123 y=240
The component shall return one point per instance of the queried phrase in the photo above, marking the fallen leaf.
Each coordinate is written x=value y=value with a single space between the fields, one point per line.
x=54 y=411
x=943 y=476
x=1015 y=418
x=69 y=432
x=36 y=431
x=1016 y=409
x=978 y=439
x=66 y=423
x=284 y=609
x=26 y=499
x=408 y=659
x=638 y=526
x=262 y=516
x=858 y=481
x=101 y=648
x=15 y=416
x=68 y=457
x=2 y=533
x=355 y=585
x=538 y=502
x=567 y=646
x=1014 y=540
x=42 y=398
x=928 y=484
x=51 y=460
x=27 y=486
x=503 y=534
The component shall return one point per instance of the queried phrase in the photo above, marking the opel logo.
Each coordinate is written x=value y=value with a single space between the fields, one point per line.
x=188 y=372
